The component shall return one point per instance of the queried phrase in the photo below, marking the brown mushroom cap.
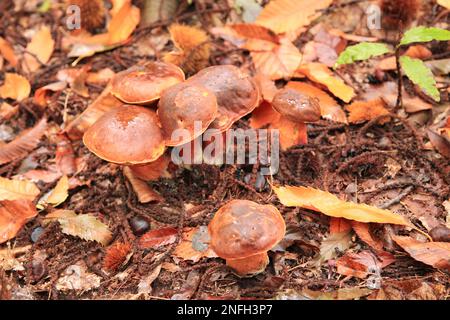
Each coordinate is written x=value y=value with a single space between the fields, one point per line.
x=181 y=106
x=296 y=106
x=243 y=228
x=126 y=135
x=237 y=93
x=143 y=84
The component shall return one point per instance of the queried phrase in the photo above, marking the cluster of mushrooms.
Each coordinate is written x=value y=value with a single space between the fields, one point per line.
x=136 y=136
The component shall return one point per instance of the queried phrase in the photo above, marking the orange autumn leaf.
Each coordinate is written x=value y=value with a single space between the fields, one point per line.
x=362 y=230
x=320 y=73
x=263 y=115
x=23 y=144
x=194 y=245
x=41 y=47
x=15 y=87
x=291 y=133
x=143 y=191
x=248 y=30
x=158 y=238
x=123 y=23
x=12 y=189
x=13 y=216
x=102 y=76
x=42 y=94
x=274 y=60
x=436 y=254
x=266 y=87
x=361 y=264
x=288 y=15
x=338 y=225
x=329 y=108
x=361 y=111
x=8 y=52
x=329 y=204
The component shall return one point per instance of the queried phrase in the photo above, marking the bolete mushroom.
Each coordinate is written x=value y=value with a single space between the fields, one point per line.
x=186 y=106
x=237 y=93
x=242 y=232
x=126 y=135
x=296 y=106
x=143 y=84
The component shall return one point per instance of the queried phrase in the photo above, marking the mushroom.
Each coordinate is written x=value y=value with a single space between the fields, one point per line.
x=242 y=232
x=126 y=135
x=143 y=84
x=237 y=93
x=296 y=106
x=180 y=107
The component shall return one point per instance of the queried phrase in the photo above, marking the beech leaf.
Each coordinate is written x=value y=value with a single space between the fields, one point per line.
x=13 y=216
x=361 y=51
x=15 y=87
x=424 y=34
x=17 y=189
x=419 y=74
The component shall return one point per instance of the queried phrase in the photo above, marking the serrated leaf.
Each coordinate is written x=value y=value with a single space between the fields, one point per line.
x=361 y=51
x=17 y=189
x=420 y=75
x=424 y=34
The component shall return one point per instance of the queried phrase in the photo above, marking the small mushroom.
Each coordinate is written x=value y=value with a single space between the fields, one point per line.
x=143 y=84
x=242 y=232
x=126 y=135
x=237 y=93
x=180 y=107
x=296 y=106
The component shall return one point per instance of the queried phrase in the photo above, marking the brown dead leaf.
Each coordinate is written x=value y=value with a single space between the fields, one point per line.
x=361 y=111
x=333 y=245
x=76 y=277
x=320 y=73
x=329 y=108
x=158 y=238
x=42 y=94
x=363 y=232
x=248 y=31
x=266 y=87
x=46 y=176
x=123 y=23
x=56 y=196
x=39 y=49
x=8 y=52
x=440 y=143
x=194 y=245
x=153 y=170
x=13 y=216
x=7 y=111
x=332 y=206
x=64 y=156
x=17 y=190
x=361 y=264
x=436 y=254
x=15 y=87
x=338 y=225
x=23 y=144
x=143 y=191
x=288 y=15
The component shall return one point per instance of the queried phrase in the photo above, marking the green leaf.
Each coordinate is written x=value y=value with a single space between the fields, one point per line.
x=361 y=51
x=424 y=34
x=419 y=74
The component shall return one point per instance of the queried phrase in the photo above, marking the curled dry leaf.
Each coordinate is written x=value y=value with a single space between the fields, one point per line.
x=158 y=238
x=361 y=111
x=42 y=94
x=288 y=15
x=58 y=195
x=15 y=87
x=194 y=245
x=440 y=142
x=320 y=73
x=143 y=191
x=76 y=277
x=333 y=245
x=363 y=232
x=362 y=264
x=23 y=144
x=332 y=206
x=101 y=77
x=13 y=216
x=436 y=254
x=8 y=52
x=84 y=226
x=41 y=47
x=329 y=108
x=116 y=255
x=17 y=190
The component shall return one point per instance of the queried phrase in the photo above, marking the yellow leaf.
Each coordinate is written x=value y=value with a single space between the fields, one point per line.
x=58 y=195
x=444 y=3
x=8 y=52
x=320 y=73
x=332 y=206
x=123 y=23
x=288 y=15
x=18 y=189
x=41 y=47
x=15 y=87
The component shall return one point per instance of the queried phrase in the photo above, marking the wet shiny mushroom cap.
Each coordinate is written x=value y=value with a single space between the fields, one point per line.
x=186 y=106
x=243 y=228
x=143 y=84
x=296 y=106
x=126 y=135
x=237 y=93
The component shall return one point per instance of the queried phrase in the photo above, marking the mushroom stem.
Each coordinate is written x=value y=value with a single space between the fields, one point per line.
x=249 y=266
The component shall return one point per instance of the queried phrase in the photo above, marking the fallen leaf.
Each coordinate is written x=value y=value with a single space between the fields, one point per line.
x=333 y=244
x=23 y=144
x=158 y=238
x=84 y=226
x=266 y=87
x=13 y=216
x=123 y=23
x=436 y=254
x=410 y=289
x=76 y=277
x=58 y=195
x=361 y=264
x=248 y=30
x=7 y=111
x=145 y=285
x=444 y=3
x=440 y=143
x=287 y=15
x=362 y=230
x=41 y=47
x=46 y=176
x=361 y=111
x=8 y=52
x=338 y=225
x=194 y=245
x=320 y=73
x=15 y=87
x=340 y=294
x=143 y=191
x=42 y=94
x=329 y=108
x=17 y=190
x=9 y=260
x=100 y=77
x=332 y=206
x=64 y=156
